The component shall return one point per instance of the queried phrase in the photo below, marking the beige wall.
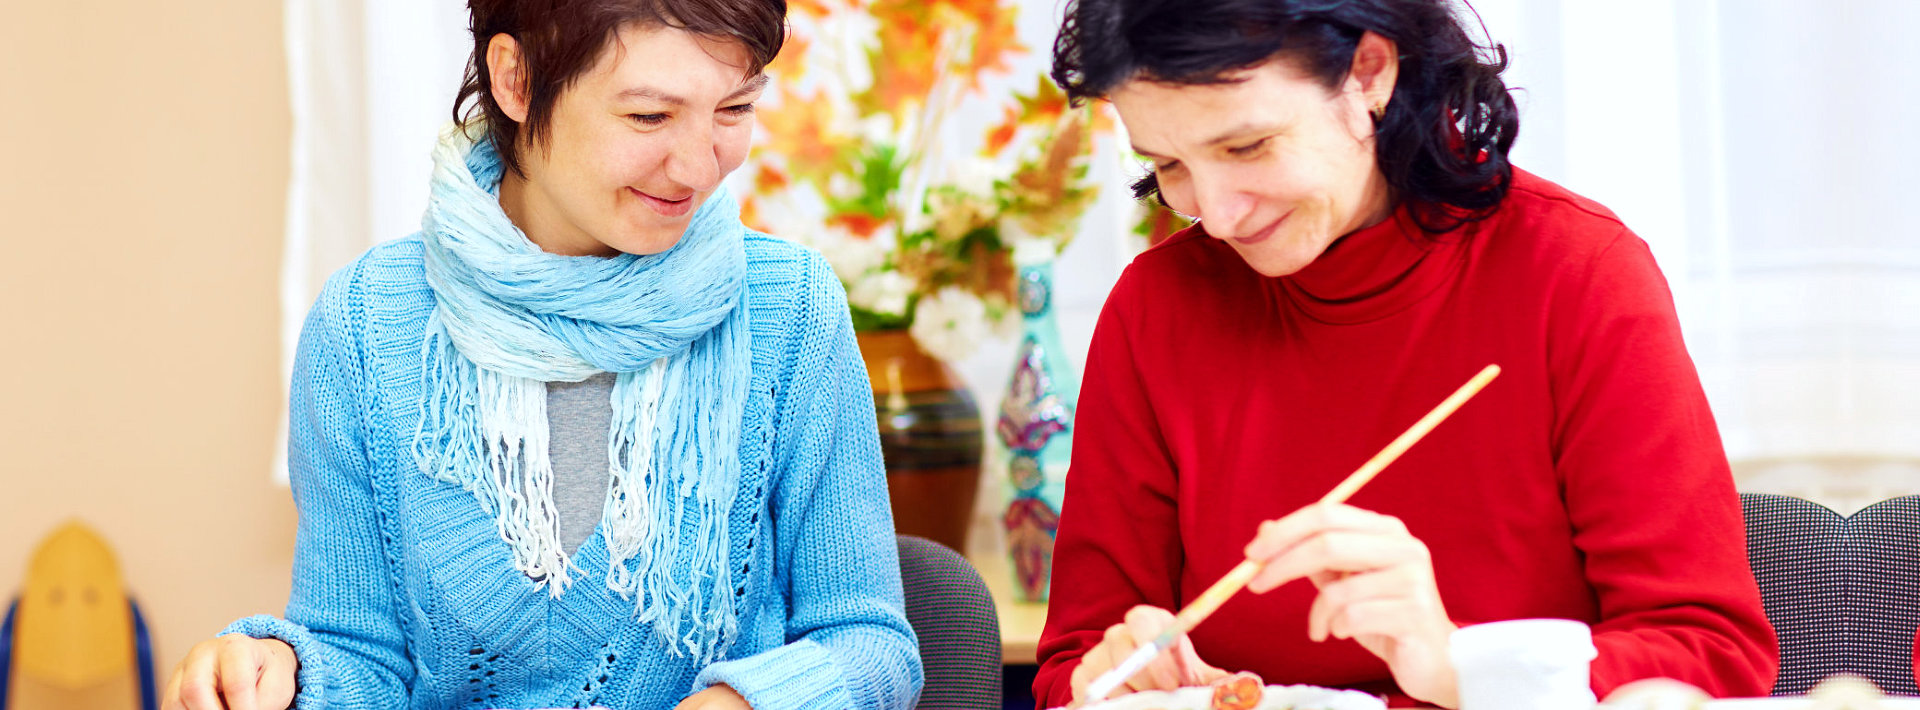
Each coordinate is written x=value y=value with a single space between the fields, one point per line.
x=141 y=186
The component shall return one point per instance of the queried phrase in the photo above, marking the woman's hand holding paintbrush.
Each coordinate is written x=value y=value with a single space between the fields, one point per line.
x=1376 y=587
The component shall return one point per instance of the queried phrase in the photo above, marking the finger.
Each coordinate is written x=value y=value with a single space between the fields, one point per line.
x=1277 y=536
x=1392 y=618
x=1194 y=670
x=170 y=699
x=1338 y=551
x=279 y=681
x=1163 y=672
x=199 y=678
x=240 y=665
x=1337 y=594
x=1118 y=645
x=1325 y=577
x=1082 y=675
x=1092 y=664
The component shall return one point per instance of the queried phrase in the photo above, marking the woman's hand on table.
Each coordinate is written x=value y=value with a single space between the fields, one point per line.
x=1376 y=587
x=715 y=697
x=234 y=672
x=1178 y=667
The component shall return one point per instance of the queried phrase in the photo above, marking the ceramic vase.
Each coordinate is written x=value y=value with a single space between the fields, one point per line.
x=1035 y=426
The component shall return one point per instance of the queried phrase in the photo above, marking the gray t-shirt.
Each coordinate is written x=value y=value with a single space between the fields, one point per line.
x=579 y=415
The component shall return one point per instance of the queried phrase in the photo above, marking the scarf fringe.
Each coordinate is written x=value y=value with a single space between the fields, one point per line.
x=674 y=440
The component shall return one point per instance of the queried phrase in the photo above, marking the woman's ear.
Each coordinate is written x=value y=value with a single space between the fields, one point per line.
x=507 y=76
x=1376 y=66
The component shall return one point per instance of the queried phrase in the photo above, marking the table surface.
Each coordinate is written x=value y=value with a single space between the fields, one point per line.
x=1021 y=622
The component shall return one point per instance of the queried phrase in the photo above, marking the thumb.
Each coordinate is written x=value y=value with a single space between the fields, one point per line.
x=1193 y=670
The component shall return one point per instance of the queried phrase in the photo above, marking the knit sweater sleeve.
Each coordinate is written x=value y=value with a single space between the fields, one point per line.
x=1648 y=489
x=340 y=619
x=849 y=644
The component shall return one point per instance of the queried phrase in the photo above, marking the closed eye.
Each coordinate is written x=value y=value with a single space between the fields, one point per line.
x=740 y=110
x=651 y=119
x=1248 y=149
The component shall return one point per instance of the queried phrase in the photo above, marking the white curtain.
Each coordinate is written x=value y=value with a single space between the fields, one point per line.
x=1763 y=148
x=371 y=81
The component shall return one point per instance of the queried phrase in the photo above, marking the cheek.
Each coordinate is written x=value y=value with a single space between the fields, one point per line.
x=631 y=160
x=731 y=146
x=1178 y=194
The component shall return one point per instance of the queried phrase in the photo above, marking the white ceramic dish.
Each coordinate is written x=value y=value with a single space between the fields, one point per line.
x=1276 y=697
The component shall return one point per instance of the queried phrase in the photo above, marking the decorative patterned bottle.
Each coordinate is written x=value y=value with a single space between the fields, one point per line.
x=1036 y=425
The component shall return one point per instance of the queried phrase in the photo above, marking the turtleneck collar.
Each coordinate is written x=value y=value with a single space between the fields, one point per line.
x=1375 y=272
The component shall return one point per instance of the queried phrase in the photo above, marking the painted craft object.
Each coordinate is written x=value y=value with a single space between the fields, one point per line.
x=1244 y=691
x=1035 y=428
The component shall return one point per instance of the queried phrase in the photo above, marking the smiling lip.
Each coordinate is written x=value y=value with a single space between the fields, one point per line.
x=667 y=208
x=1263 y=234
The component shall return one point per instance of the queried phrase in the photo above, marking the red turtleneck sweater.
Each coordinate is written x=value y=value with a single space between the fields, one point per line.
x=1588 y=482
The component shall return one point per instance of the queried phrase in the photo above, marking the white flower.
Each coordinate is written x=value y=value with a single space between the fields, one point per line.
x=882 y=292
x=916 y=221
x=843 y=186
x=876 y=129
x=974 y=176
x=851 y=256
x=950 y=323
x=1010 y=323
x=845 y=40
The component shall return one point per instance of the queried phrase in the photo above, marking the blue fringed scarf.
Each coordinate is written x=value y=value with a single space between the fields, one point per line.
x=511 y=317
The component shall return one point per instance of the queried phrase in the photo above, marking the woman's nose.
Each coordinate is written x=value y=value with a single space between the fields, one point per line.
x=695 y=160
x=1223 y=205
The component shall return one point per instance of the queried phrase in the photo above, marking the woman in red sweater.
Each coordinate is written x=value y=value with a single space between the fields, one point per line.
x=1363 y=248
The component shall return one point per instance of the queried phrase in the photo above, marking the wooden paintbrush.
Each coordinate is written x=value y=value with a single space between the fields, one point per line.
x=1235 y=580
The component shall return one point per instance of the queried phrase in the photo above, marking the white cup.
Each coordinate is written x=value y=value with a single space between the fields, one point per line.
x=1525 y=664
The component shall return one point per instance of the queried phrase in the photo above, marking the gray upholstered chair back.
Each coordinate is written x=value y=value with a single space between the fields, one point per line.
x=1886 y=592
x=953 y=614
x=1799 y=554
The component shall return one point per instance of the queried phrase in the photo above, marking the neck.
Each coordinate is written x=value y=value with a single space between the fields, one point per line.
x=1376 y=203
x=530 y=209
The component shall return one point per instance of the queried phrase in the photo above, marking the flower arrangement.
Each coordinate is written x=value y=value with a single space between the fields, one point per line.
x=861 y=163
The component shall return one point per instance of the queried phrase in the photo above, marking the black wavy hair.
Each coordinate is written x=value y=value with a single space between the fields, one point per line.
x=1443 y=142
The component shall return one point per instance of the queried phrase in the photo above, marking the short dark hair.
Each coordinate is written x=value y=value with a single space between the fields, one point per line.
x=561 y=39
x=1443 y=142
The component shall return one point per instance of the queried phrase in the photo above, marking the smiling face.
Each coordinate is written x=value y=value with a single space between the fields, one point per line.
x=1274 y=163
x=635 y=145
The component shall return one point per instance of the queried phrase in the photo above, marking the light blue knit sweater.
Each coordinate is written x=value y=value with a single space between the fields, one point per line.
x=404 y=594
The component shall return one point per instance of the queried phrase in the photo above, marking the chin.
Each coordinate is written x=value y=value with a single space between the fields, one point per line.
x=647 y=243
x=1275 y=265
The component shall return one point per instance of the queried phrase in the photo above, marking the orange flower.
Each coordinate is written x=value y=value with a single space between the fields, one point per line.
x=814 y=8
x=798 y=132
x=995 y=43
x=860 y=224
x=904 y=66
x=1045 y=105
x=1002 y=134
x=770 y=178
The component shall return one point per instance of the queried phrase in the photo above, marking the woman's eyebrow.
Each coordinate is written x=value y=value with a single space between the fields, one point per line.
x=1227 y=136
x=758 y=82
x=749 y=86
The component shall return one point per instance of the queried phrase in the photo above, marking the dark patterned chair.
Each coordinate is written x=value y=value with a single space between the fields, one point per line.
x=1800 y=554
x=1885 y=581
x=953 y=614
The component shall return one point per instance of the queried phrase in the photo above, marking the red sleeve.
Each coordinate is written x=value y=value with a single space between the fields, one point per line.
x=1648 y=489
x=1118 y=543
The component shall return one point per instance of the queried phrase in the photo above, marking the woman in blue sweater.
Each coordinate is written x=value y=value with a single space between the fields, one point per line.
x=585 y=440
